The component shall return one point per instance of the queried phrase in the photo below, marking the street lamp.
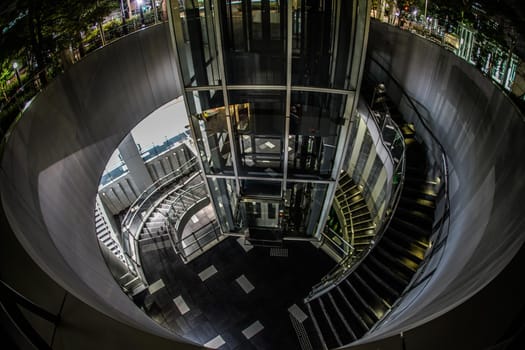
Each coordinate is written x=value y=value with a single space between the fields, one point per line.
x=15 y=67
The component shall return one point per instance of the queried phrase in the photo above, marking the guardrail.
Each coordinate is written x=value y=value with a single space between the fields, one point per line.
x=194 y=193
x=450 y=41
x=196 y=242
x=419 y=116
x=341 y=248
x=136 y=215
x=395 y=147
x=132 y=220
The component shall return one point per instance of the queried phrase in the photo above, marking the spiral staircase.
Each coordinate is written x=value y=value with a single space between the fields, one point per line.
x=351 y=309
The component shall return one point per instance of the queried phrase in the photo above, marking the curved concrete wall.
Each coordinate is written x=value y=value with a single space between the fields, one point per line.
x=55 y=157
x=57 y=152
x=482 y=133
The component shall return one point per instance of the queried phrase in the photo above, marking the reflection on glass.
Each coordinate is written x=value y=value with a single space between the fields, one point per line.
x=303 y=203
x=260 y=154
x=254 y=34
x=213 y=143
x=264 y=188
x=315 y=123
x=321 y=38
x=226 y=203
x=202 y=100
x=258 y=112
x=196 y=46
x=242 y=116
x=258 y=123
x=263 y=214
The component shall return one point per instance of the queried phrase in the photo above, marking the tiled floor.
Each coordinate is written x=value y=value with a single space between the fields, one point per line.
x=218 y=310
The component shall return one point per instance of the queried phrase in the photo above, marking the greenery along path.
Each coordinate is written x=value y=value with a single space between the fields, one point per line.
x=41 y=38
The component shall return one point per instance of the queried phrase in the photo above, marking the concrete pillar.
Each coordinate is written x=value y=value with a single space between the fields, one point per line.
x=137 y=169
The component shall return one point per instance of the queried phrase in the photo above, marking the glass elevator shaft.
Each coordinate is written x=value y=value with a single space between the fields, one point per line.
x=270 y=87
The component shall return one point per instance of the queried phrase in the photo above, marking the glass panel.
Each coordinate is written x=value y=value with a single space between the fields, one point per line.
x=254 y=37
x=315 y=123
x=212 y=139
x=364 y=153
x=260 y=188
x=259 y=154
x=226 y=203
x=196 y=44
x=259 y=112
x=203 y=100
x=262 y=214
x=303 y=206
x=258 y=122
x=321 y=40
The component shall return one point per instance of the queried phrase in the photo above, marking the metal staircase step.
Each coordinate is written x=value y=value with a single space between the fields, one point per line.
x=397 y=235
x=351 y=335
x=406 y=251
x=359 y=327
x=393 y=278
x=316 y=326
x=378 y=299
x=410 y=228
x=373 y=280
x=388 y=259
x=365 y=311
x=333 y=330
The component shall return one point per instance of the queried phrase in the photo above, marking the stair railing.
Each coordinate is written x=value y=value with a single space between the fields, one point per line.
x=342 y=270
x=174 y=214
x=343 y=252
x=144 y=200
x=135 y=218
x=440 y=229
x=196 y=242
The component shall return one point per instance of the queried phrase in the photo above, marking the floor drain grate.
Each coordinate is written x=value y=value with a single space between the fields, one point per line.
x=282 y=252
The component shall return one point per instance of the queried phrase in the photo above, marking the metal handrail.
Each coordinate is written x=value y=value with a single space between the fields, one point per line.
x=437 y=231
x=347 y=244
x=444 y=160
x=179 y=195
x=197 y=237
x=341 y=271
x=154 y=188
x=143 y=220
x=127 y=238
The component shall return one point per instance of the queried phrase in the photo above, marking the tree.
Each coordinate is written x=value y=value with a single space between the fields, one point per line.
x=37 y=29
x=74 y=17
x=6 y=73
